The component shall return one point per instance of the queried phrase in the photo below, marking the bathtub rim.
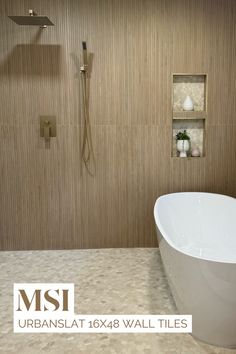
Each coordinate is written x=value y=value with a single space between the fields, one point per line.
x=164 y=234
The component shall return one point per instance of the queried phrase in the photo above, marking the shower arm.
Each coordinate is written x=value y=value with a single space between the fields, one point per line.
x=32 y=13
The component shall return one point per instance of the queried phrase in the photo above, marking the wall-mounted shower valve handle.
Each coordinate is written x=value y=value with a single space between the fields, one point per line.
x=46 y=130
x=47 y=127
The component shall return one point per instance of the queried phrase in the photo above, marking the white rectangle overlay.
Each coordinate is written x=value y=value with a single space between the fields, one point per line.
x=49 y=308
x=106 y=324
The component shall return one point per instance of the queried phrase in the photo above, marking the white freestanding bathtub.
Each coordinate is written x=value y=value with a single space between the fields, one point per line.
x=197 y=240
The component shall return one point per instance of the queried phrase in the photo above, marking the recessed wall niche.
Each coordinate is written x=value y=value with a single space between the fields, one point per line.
x=189 y=110
x=196 y=131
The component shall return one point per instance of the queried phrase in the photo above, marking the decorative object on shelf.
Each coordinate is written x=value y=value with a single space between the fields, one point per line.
x=188 y=104
x=196 y=152
x=183 y=144
x=189 y=112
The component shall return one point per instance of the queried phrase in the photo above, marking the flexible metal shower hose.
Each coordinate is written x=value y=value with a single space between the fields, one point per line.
x=87 y=147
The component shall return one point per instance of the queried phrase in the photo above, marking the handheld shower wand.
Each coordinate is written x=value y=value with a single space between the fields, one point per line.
x=87 y=149
x=84 y=67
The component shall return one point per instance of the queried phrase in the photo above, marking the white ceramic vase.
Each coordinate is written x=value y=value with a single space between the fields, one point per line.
x=195 y=152
x=188 y=104
x=183 y=147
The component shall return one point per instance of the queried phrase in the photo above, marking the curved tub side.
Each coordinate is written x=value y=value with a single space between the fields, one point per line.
x=159 y=229
x=206 y=290
x=193 y=223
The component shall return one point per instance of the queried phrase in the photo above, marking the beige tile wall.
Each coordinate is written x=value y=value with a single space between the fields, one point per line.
x=47 y=200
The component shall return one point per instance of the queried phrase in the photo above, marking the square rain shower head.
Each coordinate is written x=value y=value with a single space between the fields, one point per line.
x=31 y=20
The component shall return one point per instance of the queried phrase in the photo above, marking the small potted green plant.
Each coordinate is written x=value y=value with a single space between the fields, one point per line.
x=183 y=145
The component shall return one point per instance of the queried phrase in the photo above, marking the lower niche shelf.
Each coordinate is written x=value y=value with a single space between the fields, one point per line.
x=195 y=129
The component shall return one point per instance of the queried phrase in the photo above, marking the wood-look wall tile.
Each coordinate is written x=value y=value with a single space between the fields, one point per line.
x=48 y=200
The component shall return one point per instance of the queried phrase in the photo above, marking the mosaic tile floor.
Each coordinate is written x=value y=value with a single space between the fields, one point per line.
x=110 y=281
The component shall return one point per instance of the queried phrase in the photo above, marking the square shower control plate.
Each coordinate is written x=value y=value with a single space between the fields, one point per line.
x=48 y=120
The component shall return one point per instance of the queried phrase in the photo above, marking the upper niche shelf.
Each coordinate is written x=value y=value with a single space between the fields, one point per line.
x=189 y=114
x=193 y=85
